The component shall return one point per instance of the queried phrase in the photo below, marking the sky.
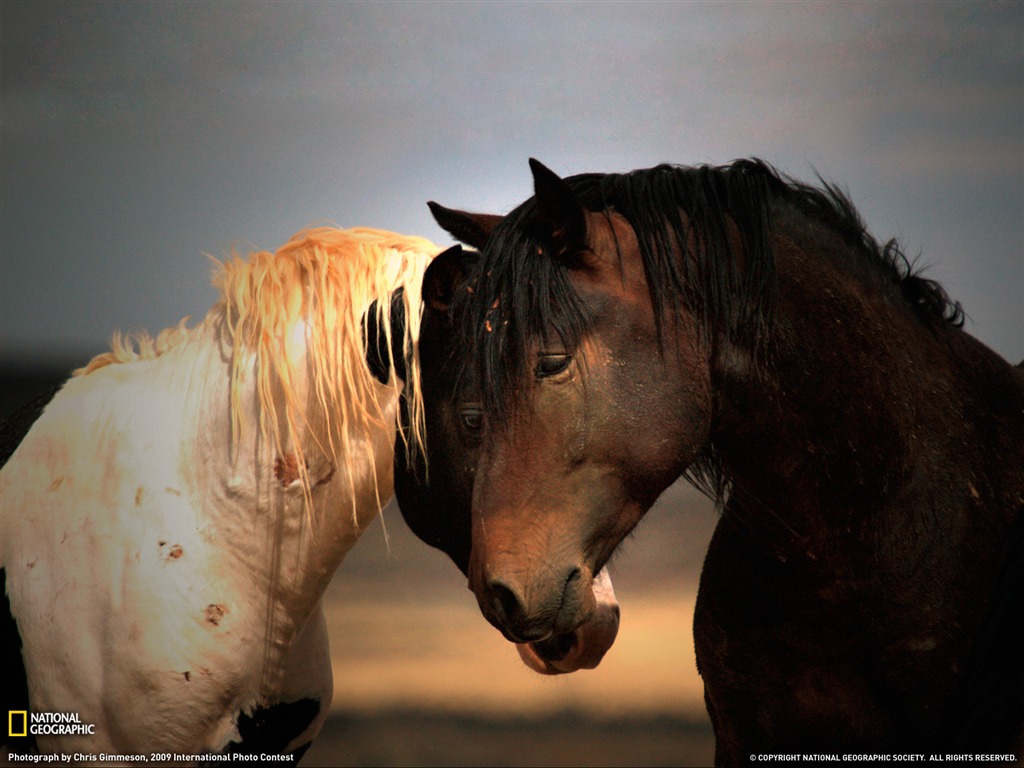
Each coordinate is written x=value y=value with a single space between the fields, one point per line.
x=139 y=137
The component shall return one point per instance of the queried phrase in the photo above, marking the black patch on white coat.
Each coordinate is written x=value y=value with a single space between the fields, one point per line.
x=269 y=730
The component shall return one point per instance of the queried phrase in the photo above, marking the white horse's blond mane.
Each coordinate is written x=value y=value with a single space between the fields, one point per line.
x=127 y=348
x=321 y=282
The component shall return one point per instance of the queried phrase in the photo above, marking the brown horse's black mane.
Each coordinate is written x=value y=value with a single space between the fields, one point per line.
x=518 y=293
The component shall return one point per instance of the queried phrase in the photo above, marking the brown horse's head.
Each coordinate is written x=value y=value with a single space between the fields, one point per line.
x=576 y=410
x=435 y=491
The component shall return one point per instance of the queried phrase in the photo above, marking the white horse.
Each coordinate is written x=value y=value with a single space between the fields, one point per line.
x=170 y=522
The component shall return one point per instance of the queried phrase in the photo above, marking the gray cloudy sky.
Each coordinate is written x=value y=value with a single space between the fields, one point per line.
x=137 y=137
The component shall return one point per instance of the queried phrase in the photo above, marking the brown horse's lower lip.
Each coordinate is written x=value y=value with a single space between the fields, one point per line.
x=556 y=647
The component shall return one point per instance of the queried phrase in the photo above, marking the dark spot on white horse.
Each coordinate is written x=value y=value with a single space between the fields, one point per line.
x=57 y=483
x=215 y=612
x=269 y=730
x=326 y=478
x=138 y=497
x=172 y=491
x=30 y=565
x=289 y=470
x=176 y=552
x=188 y=676
x=162 y=543
x=286 y=469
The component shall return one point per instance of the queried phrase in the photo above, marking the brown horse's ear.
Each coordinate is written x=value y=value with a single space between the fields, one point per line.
x=470 y=228
x=559 y=209
x=442 y=277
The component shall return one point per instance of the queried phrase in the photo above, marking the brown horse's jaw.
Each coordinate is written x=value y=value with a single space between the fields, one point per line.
x=584 y=647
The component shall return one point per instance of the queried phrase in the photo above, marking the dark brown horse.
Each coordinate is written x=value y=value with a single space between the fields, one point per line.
x=863 y=590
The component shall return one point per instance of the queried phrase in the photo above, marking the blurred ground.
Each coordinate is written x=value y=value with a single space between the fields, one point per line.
x=405 y=629
x=419 y=738
x=420 y=678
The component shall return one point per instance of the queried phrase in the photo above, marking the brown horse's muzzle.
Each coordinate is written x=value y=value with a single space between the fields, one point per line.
x=533 y=609
x=584 y=647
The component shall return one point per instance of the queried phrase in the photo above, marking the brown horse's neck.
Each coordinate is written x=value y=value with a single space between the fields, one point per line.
x=864 y=422
x=876 y=463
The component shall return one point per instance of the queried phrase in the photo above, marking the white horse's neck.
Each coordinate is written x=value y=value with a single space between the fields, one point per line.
x=283 y=509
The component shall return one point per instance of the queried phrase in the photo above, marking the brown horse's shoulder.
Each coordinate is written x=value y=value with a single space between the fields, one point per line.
x=823 y=649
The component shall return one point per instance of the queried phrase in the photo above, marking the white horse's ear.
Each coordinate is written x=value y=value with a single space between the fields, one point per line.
x=379 y=355
x=473 y=229
x=443 y=276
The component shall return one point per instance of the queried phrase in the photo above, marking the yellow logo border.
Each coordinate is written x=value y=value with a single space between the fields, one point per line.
x=24 y=722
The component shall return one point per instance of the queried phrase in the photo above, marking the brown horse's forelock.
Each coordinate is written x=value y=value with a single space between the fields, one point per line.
x=522 y=296
x=520 y=293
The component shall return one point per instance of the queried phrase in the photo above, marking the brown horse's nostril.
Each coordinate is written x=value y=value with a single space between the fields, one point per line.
x=505 y=604
x=509 y=614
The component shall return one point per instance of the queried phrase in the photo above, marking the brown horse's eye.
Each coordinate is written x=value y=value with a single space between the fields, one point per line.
x=472 y=417
x=552 y=365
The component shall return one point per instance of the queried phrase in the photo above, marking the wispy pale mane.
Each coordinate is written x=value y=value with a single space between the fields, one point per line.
x=127 y=348
x=322 y=282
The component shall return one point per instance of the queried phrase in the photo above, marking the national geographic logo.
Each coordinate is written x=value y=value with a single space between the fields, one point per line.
x=20 y=722
x=17 y=723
